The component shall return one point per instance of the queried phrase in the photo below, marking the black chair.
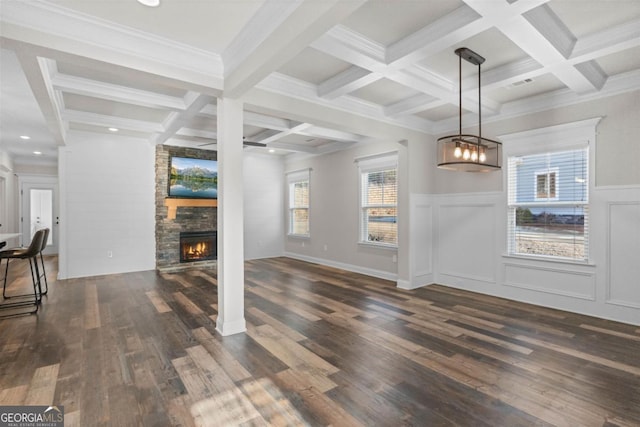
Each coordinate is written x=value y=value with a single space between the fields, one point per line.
x=44 y=273
x=31 y=254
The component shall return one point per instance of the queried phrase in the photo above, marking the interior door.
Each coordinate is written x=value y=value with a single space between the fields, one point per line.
x=39 y=210
x=3 y=206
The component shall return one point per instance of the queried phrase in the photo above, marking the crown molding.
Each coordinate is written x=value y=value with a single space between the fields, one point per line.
x=112 y=92
x=111 y=121
x=44 y=17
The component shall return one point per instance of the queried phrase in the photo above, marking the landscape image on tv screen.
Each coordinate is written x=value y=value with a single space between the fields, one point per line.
x=193 y=178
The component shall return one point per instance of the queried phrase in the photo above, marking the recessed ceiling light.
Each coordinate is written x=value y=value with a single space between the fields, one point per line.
x=114 y=129
x=150 y=3
x=25 y=137
x=37 y=153
x=271 y=150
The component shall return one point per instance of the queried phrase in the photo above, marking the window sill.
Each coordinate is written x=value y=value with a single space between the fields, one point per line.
x=538 y=258
x=384 y=246
x=299 y=236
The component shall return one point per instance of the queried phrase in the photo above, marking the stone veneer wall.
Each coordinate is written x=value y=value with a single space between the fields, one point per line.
x=187 y=218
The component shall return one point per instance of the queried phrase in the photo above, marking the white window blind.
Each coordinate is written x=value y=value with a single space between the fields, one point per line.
x=549 y=204
x=379 y=199
x=298 y=186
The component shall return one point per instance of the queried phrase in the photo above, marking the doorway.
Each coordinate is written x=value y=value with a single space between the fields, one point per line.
x=3 y=206
x=39 y=210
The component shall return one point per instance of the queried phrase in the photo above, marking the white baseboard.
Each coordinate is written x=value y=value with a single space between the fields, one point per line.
x=231 y=328
x=349 y=267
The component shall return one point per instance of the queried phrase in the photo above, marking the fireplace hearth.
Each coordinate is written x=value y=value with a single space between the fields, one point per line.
x=198 y=246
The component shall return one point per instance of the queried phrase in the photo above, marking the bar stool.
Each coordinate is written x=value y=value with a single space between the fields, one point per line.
x=30 y=253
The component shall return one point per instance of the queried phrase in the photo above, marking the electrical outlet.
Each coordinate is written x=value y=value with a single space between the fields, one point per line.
x=109 y=254
x=325 y=248
x=303 y=243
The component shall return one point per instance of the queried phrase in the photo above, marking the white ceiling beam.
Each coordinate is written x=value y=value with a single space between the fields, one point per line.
x=116 y=93
x=295 y=129
x=269 y=122
x=413 y=105
x=455 y=27
x=293 y=147
x=334 y=146
x=178 y=141
x=335 y=135
x=106 y=121
x=447 y=31
x=280 y=84
x=549 y=25
x=351 y=46
x=64 y=31
x=297 y=28
x=541 y=36
x=266 y=20
x=267 y=133
x=197 y=133
x=253 y=119
x=588 y=48
x=606 y=42
x=508 y=74
x=346 y=82
x=194 y=103
x=38 y=72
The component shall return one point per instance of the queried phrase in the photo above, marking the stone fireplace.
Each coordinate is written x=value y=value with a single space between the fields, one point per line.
x=188 y=219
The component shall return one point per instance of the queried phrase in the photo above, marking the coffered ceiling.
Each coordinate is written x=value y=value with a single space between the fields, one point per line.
x=155 y=73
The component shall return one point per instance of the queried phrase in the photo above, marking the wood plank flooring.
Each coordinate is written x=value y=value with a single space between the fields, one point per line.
x=323 y=347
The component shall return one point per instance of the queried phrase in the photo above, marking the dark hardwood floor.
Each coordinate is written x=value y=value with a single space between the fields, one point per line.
x=323 y=347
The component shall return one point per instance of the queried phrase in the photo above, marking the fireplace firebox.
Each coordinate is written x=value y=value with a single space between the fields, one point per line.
x=198 y=246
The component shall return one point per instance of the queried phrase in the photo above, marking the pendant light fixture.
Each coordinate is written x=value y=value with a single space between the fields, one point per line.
x=464 y=152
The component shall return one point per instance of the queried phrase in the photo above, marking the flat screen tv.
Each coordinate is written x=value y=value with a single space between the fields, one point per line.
x=193 y=178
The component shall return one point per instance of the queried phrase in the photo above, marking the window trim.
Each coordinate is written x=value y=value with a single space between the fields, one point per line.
x=368 y=164
x=292 y=178
x=564 y=137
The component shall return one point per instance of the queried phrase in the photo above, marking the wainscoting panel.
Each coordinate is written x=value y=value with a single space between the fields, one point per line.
x=470 y=252
x=624 y=254
x=421 y=240
x=557 y=281
x=467 y=241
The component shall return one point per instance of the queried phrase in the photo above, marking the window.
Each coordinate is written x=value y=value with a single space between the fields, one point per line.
x=546 y=185
x=298 y=203
x=549 y=204
x=379 y=200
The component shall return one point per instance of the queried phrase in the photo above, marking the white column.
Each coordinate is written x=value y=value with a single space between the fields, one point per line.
x=230 y=219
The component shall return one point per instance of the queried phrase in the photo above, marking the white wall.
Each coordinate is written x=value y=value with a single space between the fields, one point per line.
x=470 y=254
x=469 y=246
x=9 y=202
x=617 y=148
x=264 y=216
x=334 y=214
x=107 y=195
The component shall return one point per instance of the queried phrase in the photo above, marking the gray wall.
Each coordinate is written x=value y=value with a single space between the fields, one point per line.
x=264 y=216
x=617 y=145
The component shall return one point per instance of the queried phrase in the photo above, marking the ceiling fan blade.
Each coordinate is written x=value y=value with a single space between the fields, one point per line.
x=254 y=144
